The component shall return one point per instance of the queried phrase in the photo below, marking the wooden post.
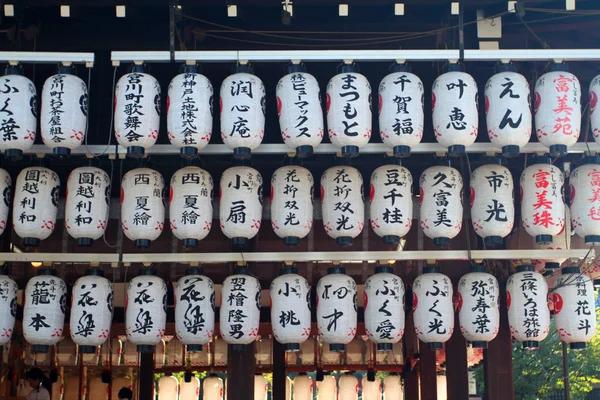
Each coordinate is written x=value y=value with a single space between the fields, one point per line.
x=428 y=374
x=411 y=346
x=241 y=366
x=457 y=372
x=279 y=373
x=146 y=377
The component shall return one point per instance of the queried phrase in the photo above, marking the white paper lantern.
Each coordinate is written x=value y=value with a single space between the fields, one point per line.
x=142 y=208
x=327 y=389
x=44 y=310
x=492 y=203
x=239 y=316
x=8 y=307
x=384 y=308
x=557 y=109
x=348 y=387
x=212 y=388
x=392 y=387
x=146 y=311
x=168 y=388
x=433 y=312
x=292 y=189
x=194 y=309
x=87 y=204
x=542 y=205
x=6 y=188
x=261 y=387
x=478 y=306
x=342 y=204
x=585 y=201
x=243 y=100
x=190 y=205
x=190 y=390
x=240 y=204
x=454 y=105
x=35 y=204
x=391 y=204
x=349 y=110
x=137 y=111
x=371 y=390
x=303 y=387
x=64 y=113
x=594 y=116
x=401 y=116
x=190 y=111
x=562 y=241
x=441 y=203
x=528 y=313
x=288 y=388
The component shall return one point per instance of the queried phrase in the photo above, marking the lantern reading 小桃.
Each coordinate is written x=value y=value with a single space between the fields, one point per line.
x=585 y=200
x=6 y=193
x=8 y=307
x=348 y=387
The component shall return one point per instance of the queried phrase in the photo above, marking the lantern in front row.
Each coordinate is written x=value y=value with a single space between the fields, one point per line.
x=261 y=387
x=146 y=310
x=392 y=387
x=6 y=193
x=492 y=203
x=44 y=310
x=212 y=388
x=594 y=114
x=191 y=389
x=348 y=387
x=454 y=105
x=292 y=190
x=35 y=205
x=585 y=200
x=401 y=116
x=87 y=204
x=371 y=390
x=557 y=109
x=240 y=308
x=542 y=205
x=441 y=203
x=91 y=310
x=303 y=387
x=433 y=312
x=137 y=111
x=168 y=388
x=142 y=208
x=349 y=110
x=327 y=388
x=8 y=307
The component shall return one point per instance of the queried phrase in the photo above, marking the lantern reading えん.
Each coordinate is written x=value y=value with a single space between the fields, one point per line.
x=585 y=200
x=8 y=307
x=6 y=192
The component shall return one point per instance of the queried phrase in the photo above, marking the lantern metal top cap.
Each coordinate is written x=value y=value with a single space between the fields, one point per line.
x=431 y=269
x=241 y=270
x=505 y=67
x=526 y=268
x=478 y=268
x=288 y=269
x=383 y=269
x=558 y=67
x=336 y=270
x=147 y=272
x=571 y=270
x=13 y=69
x=46 y=271
x=94 y=272
x=400 y=67
x=590 y=159
x=194 y=271
x=455 y=67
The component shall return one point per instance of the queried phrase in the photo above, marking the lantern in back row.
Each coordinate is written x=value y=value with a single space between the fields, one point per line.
x=349 y=110
x=7 y=192
x=8 y=307
x=348 y=387
x=585 y=200
x=35 y=204
x=401 y=116
x=594 y=93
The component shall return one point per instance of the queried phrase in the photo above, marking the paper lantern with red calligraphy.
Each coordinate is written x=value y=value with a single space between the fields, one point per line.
x=371 y=390
x=557 y=109
x=542 y=205
x=392 y=387
x=433 y=312
x=401 y=116
x=327 y=388
x=336 y=309
x=168 y=388
x=342 y=204
x=35 y=204
x=441 y=203
x=391 y=203
x=594 y=114
x=454 y=105
x=527 y=302
x=87 y=204
x=261 y=387
x=479 y=314
x=142 y=208
x=299 y=110
x=189 y=390
x=508 y=110
x=91 y=310
x=348 y=387
x=194 y=309
x=190 y=205
x=384 y=308
x=292 y=192
x=146 y=310
x=574 y=308
x=349 y=110
x=137 y=111
x=44 y=307
x=492 y=203
x=6 y=187
x=303 y=387
x=212 y=388
x=8 y=307
x=585 y=200
x=562 y=241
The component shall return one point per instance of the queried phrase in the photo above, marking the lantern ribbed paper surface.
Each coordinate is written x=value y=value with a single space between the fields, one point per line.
x=594 y=113
x=19 y=103
x=190 y=390
x=240 y=309
x=303 y=387
x=585 y=202
x=348 y=385
x=371 y=390
x=168 y=388
x=562 y=241
x=261 y=387
x=8 y=308
x=212 y=388
x=392 y=387
x=327 y=389
x=7 y=193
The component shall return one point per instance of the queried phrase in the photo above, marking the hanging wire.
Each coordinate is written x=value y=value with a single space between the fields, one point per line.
x=110 y=199
x=112 y=114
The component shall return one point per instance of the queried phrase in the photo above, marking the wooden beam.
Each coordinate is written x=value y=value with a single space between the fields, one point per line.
x=241 y=366
x=411 y=346
x=146 y=377
x=428 y=374
x=457 y=372
x=279 y=371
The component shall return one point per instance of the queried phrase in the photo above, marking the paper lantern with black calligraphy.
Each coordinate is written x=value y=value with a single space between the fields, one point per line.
x=349 y=110
x=8 y=307
x=594 y=114
x=303 y=387
x=44 y=310
x=433 y=312
x=441 y=203
x=142 y=208
x=240 y=308
x=146 y=311
x=384 y=308
x=261 y=387
x=299 y=110
x=492 y=203
x=371 y=390
x=242 y=107
x=454 y=105
x=194 y=309
x=342 y=204
x=292 y=190
x=87 y=204
x=240 y=204
x=91 y=310
x=336 y=309
x=392 y=387
x=527 y=302
x=137 y=111
x=36 y=204
x=190 y=205
x=542 y=205
x=6 y=188
x=190 y=111
x=401 y=116
x=585 y=200
x=557 y=109
x=391 y=203
x=574 y=308
x=212 y=388
x=189 y=390
x=168 y=388
x=348 y=387
x=327 y=389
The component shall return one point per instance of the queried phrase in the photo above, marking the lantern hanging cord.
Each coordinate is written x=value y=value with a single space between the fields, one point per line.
x=110 y=198
x=466 y=209
x=112 y=114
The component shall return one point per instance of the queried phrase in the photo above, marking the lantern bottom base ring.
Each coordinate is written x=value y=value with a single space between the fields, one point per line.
x=337 y=348
x=552 y=265
x=493 y=240
x=477 y=344
x=558 y=150
x=435 y=345
x=31 y=242
x=350 y=151
x=385 y=346
x=441 y=241
x=142 y=243
x=291 y=241
x=592 y=240
x=531 y=345
x=242 y=153
x=145 y=348
x=543 y=239
x=136 y=152
x=511 y=150
x=577 y=346
x=188 y=152
x=239 y=347
x=239 y=241
x=596 y=283
x=304 y=151
x=13 y=154
x=345 y=241
x=456 y=150
x=190 y=242
x=85 y=242
x=291 y=347
x=391 y=239
x=61 y=152
x=194 y=348
x=401 y=151
x=87 y=349
x=40 y=348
